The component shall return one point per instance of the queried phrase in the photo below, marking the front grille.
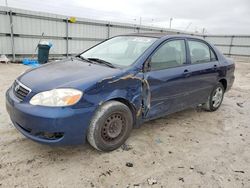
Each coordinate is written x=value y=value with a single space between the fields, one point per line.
x=20 y=90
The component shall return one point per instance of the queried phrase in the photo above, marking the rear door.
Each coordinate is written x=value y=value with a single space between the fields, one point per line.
x=203 y=70
x=168 y=81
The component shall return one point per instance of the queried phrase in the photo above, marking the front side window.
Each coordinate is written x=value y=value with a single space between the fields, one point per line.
x=120 y=51
x=200 y=52
x=171 y=54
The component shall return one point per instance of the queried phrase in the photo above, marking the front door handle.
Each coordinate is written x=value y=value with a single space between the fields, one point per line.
x=186 y=73
x=215 y=67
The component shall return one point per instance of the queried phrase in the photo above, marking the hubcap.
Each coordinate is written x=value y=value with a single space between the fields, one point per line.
x=217 y=97
x=113 y=127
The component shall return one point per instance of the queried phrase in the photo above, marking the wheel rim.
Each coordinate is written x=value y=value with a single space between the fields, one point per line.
x=217 y=97
x=113 y=127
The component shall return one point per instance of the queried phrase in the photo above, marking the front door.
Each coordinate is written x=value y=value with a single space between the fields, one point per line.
x=168 y=80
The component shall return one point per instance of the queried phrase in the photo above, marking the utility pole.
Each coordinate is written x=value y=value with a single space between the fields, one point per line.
x=188 y=26
x=140 y=21
x=203 y=31
x=152 y=20
x=170 y=23
x=6 y=3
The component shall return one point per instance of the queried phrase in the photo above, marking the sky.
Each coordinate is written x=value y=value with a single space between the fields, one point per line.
x=210 y=16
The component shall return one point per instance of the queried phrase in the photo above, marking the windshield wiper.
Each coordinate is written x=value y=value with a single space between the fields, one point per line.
x=102 y=62
x=85 y=59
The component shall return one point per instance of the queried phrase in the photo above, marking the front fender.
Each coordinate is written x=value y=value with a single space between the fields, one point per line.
x=127 y=88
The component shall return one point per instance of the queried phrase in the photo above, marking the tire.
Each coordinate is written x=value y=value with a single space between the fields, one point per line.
x=214 y=102
x=110 y=126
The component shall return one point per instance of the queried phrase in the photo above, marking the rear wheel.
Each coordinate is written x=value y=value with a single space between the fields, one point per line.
x=110 y=126
x=215 y=99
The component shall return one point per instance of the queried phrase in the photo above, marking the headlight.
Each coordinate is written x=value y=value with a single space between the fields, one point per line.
x=57 y=97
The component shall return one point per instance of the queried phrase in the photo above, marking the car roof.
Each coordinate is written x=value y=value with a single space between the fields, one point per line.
x=162 y=34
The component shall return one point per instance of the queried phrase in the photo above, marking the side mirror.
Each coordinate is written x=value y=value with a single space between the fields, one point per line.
x=147 y=65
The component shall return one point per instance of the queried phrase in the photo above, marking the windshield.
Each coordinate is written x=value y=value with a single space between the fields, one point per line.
x=120 y=51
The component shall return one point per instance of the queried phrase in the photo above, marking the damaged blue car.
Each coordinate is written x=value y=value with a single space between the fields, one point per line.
x=101 y=94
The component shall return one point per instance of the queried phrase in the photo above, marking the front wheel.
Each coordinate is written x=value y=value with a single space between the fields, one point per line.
x=110 y=126
x=215 y=99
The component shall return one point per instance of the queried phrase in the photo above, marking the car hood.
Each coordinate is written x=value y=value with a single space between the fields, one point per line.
x=71 y=73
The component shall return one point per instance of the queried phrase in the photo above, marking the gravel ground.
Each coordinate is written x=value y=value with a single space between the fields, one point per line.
x=192 y=148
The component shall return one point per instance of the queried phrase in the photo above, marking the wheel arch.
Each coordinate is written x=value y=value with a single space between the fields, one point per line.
x=130 y=105
x=223 y=81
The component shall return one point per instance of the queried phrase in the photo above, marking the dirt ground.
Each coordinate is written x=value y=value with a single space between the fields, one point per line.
x=192 y=148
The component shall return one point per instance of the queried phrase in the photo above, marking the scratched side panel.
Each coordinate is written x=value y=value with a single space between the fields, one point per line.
x=169 y=90
x=127 y=86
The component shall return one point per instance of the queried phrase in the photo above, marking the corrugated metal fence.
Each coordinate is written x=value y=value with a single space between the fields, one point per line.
x=21 y=30
x=231 y=45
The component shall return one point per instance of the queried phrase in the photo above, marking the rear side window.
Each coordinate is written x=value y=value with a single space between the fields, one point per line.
x=170 y=54
x=200 y=52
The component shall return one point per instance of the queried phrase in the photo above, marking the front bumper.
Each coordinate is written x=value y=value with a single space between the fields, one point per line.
x=49 y=125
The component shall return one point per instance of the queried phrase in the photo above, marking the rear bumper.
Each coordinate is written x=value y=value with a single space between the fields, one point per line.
x=230 y=82
x=57 y=126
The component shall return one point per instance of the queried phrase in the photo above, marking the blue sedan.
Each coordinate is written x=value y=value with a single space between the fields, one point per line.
x=102 y=93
